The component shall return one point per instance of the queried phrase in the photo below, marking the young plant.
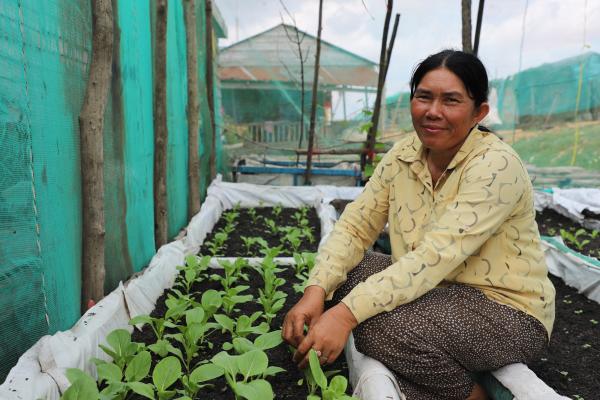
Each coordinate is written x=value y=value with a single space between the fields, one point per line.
x=273 y=228
x=243 y=326
x=82 y=386
x=117 y=384
x=244 y=374
x=270 y=298
x=263 y=342
x=252 y=213
x=277 y=210
x=335 y=389
x=231 y=298
x=249 y=242
x=120 y=347
x=191 y=335
x=230 y=216
x=217 y=242
x=195 y=269
x=293 y=238
x=232 y=272
x=573 y=238
x=193 y=382
x=175 y=310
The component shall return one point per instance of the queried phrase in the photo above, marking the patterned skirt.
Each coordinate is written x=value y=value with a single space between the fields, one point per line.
x=434 y=343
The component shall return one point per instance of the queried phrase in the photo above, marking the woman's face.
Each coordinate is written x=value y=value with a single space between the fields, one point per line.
x=442 y=111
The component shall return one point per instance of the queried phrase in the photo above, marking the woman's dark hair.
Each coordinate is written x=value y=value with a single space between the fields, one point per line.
x=466 y=66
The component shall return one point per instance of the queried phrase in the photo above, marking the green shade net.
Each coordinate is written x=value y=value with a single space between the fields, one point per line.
x=45 y=51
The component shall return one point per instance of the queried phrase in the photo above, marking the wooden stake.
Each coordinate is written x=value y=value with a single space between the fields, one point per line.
x=313 y=105
x=193 y=109
x=161 y=135
x=91 y=124
x=209 y=89
x=466 y=26
x=384 y=59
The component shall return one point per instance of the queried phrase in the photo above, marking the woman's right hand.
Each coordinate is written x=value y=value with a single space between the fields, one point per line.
x=305 y=312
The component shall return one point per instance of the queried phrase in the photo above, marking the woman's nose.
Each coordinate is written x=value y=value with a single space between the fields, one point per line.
x=434 y=110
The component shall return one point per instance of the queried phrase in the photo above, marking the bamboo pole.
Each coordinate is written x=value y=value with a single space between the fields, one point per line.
x=193 y=109
x=91 y=125
x=313 y=105
x=210 y=89
x=478 y=26
x=161 y=134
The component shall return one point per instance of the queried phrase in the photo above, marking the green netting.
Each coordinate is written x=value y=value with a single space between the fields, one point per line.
x=548 y=93
x=41 y=43
x=45 y=50
x=177 y=158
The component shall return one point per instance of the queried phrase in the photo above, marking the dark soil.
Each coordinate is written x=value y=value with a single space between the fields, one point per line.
x=571 y=365
x=249 y=226
x=587 y=242
x=285 y=385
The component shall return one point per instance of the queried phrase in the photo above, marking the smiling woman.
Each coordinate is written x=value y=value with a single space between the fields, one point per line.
x=461 y=292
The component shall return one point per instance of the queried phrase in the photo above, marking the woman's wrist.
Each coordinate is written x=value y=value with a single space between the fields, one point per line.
x=316 y=292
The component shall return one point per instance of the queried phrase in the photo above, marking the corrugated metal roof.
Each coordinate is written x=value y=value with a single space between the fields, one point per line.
x=271 y=56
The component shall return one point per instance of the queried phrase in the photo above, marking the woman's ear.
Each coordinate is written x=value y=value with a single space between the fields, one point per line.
x=481 y=112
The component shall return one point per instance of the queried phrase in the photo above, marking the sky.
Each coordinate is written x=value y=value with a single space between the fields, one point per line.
x=553 y=29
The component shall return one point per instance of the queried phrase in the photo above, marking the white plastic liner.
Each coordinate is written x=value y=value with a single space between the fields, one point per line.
x=40 y=372
x=571 y=203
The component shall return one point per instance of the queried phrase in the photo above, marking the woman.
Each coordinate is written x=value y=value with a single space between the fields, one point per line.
x=466 y=287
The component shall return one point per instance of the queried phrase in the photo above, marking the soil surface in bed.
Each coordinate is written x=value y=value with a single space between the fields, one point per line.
x=571 y=365
x=255 y=226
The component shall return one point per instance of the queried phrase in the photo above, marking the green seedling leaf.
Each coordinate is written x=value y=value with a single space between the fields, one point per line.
x=242 y=345
x=139 y=367
x=206 y=373
x=268 y=340
x=166 y=372
x=272 y=371
x=83 y=386
x=258 y=389
x=143 y=389
x=226 y=362
x=315 y=369
x=109 y=372
x=252 y=363
x=338 y=384
x=224 y=321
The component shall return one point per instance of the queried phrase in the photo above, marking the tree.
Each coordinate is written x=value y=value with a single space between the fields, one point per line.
x=91 y=125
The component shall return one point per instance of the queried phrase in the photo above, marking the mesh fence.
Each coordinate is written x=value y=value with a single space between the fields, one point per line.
x=45 y=50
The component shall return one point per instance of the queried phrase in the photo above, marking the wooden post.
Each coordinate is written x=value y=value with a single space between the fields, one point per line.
x=91 y=125
x=478 y=26
x=193 y=109
x=384 y=59
x=466 y=26
x=161 y=135
x=313 y=105
x=209 y=89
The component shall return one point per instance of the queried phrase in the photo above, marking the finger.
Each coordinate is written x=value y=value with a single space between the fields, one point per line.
x=302 y=350
x=297 y=331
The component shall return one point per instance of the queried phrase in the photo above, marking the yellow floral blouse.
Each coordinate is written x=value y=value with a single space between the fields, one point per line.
x=476 y=227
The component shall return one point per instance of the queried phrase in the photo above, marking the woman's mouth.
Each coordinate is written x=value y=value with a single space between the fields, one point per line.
x=432 y=128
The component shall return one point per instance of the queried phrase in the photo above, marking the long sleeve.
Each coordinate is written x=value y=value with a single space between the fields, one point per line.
x=360 y=224
x=490 y=187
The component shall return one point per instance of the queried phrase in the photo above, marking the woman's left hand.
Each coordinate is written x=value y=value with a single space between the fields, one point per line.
x=327 y=336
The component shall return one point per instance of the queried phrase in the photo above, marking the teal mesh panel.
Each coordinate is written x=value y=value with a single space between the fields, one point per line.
x=136 y=80
x=177 y=159
x=43 y=62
